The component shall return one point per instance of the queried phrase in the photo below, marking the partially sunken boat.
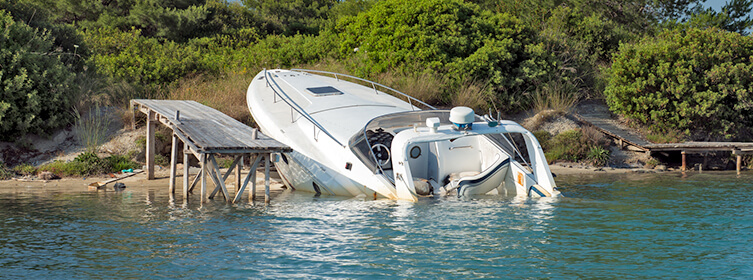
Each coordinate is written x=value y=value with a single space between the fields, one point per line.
x=353 y=137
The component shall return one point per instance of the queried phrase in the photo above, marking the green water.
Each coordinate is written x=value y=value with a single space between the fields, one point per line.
x=623 y=226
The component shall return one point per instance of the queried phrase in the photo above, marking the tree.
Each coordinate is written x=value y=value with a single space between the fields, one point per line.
x=35 y=86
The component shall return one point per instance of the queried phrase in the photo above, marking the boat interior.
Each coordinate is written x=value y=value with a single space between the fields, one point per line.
x=475 y=164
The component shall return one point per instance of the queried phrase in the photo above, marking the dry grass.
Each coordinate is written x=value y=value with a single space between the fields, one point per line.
x=556 y=95
x=474 y=95
x=226 y=93
x=425 y=87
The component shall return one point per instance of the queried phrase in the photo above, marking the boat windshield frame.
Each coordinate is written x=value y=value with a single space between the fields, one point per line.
x=393 y=123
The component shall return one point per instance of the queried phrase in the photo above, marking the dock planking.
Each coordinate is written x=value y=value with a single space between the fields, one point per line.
x=205 y=132
x=627 y=139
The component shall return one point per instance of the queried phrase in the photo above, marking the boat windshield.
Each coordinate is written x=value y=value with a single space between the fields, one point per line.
x=381 y=130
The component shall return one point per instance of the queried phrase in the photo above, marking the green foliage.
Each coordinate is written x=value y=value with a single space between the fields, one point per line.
x=574 y=145
x=734 y=17
x=693 y=81
x=34 y=81
x=651 y=163
x=450 y=37
x=25 y=169
x=87 y=164
x=5 y=173
x=598 y=156
x=136 y=59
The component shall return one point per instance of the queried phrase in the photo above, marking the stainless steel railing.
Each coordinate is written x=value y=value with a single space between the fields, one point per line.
x=373 y=85
x=294 y=106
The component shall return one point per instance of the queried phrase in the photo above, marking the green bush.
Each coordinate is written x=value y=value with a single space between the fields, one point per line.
x=573 y=145
x=697 y=81
x=88 y=163
x=136 y=59
x=452 y=37
x=35 y=84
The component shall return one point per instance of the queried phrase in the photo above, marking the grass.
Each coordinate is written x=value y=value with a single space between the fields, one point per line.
x=668 y=137
x=5 y=173
x=555 y=96
x=92 y=128
x=574 y=145
x=226 y=93
x=25 y=169
x=651 y=163
x=87 y=164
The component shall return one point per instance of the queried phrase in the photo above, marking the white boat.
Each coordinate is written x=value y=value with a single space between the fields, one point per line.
x=353 y=137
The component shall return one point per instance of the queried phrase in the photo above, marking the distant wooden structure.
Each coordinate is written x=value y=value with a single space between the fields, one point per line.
x=627 y=139
x=206 y=132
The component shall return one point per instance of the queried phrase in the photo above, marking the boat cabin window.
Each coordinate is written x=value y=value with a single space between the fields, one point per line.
x=324 y=91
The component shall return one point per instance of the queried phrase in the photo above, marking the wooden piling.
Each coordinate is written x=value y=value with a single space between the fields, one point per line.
x=173 y=163
x=739 y=160
x=186 y=173
x=266 y=178
x=684 y=162
x=150 y=127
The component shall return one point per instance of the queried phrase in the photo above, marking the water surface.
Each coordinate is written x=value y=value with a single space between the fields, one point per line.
x=618 y=226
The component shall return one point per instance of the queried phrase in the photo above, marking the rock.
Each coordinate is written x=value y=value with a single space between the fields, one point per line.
x=661 y=167
x=119 y=186
x=47 y=175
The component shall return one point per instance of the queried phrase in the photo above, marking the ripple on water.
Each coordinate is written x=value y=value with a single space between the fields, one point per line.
x=614 y=227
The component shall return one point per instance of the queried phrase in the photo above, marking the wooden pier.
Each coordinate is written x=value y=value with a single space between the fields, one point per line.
x=628 y=140
x=206 y=132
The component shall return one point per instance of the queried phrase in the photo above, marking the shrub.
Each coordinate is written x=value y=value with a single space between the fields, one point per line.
x=451 y=37
x=697 y=81
x=598 y=156
x=34 y=82
x=87 y=164
x=25 y=169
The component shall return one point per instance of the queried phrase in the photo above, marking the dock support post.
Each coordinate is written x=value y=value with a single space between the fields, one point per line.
x=266 y=178
x=173 y=163
x=186 y=173
x=739 y=159
x=151 y=123
x=203 y=178
x=684 y=162
x=238 y=170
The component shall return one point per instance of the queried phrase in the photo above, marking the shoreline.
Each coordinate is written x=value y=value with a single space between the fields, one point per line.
x=139 y=182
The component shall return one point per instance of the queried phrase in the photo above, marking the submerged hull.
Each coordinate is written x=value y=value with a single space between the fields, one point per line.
x=353 y=140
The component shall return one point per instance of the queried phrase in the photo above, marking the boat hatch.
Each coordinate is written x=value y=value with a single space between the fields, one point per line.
x=324 y=91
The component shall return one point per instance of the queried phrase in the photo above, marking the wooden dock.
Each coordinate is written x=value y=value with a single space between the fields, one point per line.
x=206 y=132
x=626 y=139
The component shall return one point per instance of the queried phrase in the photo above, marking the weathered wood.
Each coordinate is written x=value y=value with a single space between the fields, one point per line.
x=173 y=163
x=266 y=178
x=150 y=127
x=203 y=178
x=205 y=132
x=186 y=174
x=224 y=177
x=684 y=162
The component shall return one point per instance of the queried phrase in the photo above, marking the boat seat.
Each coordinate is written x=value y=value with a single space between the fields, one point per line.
x=478 y=182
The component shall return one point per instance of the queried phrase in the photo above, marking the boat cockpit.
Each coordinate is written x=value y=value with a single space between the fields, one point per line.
x=448 y=162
